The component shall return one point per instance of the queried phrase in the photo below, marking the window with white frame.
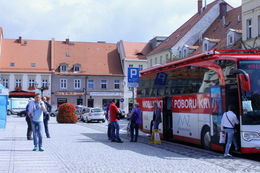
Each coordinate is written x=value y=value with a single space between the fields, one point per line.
x=77 y=83
x=117 y=84
x=90 y=84
x=180 y=54
x=31 y=83
x=76 y=68
x=155 y=60
x=140 y=66
x=151 y=62
x=63 y=83
x=44 y=83
x=249 y=28
x=184 y=53
x=63 y=68
x=160 y=59
x=18 y=83
x=230 y=40
x=5 y=83
x=131 y=65
x=167 y=57
x=103 y=84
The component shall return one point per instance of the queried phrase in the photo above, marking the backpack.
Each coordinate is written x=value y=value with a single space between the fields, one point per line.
x=134 y=116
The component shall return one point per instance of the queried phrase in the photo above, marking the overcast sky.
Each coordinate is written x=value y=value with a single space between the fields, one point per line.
x=95 y=20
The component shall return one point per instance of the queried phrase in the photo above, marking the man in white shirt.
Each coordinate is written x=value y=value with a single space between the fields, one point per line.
x=228 y=122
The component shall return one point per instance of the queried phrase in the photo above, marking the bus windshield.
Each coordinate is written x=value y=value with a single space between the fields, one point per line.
x=251 y=98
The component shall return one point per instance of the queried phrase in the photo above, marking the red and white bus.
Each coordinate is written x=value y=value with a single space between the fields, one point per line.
x=194 y=92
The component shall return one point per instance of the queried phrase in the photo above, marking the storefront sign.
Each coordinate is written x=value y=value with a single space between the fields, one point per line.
x=105 y=94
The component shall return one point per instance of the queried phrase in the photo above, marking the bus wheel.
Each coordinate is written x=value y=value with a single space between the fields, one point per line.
x=205 y=138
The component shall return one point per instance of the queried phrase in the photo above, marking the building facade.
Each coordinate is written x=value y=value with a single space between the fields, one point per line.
x=86 y=73
x=251 y=24
x=102 y=89
x=178 y=44
x=132 y=55
x=25 y=67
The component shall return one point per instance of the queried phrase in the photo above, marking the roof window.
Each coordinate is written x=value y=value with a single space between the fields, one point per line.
x=12 y=64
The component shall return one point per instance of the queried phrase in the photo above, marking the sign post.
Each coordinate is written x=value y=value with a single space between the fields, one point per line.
x=133 y=79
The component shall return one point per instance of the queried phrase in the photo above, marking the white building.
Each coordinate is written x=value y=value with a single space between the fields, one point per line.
x=251 y=24
x=132 y=54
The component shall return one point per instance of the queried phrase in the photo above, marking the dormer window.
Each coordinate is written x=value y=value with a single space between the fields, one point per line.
x=76 y=68
x=233 y=36
x=63 y=68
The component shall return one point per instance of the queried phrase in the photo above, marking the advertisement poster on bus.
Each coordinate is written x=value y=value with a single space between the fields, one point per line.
x=147 y=106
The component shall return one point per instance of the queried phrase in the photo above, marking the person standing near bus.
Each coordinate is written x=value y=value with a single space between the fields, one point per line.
x=228 y=122
x=136 y=120
x=156 y=116
x=36 y=110
x=113 y=110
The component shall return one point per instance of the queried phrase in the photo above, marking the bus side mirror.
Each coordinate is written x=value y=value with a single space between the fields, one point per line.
x=245 y=82
x=243 y=77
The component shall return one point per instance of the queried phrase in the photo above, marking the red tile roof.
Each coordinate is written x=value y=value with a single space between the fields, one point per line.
x=181 y=31
x=217 y=31
x=24 y=54
x=136 y=50
x=94 y=58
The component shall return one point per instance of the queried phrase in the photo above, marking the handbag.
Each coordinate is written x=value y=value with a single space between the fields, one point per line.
x=222 y=138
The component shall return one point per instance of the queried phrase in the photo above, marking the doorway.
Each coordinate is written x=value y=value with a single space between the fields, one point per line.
x=167 y=118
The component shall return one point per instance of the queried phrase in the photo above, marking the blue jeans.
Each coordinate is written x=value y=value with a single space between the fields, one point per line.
x=37 y=128
x=230 y=137
x=109 y=130
x=156 y=125
x=115 y=131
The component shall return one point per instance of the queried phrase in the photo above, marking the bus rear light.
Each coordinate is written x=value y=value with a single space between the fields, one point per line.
x=249 y=136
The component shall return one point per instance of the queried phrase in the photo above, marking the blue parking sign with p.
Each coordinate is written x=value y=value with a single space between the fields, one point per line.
x=133 y=75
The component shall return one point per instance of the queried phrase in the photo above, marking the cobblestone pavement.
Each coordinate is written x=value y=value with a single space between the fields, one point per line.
x=84 y=147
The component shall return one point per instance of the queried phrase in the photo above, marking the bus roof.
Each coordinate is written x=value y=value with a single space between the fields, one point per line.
x=236 y=54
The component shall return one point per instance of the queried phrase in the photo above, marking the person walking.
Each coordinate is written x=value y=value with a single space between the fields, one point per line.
x=46 y=117
x=28 y=121
x=36 y=110
x=113 y=110
x=157 y=119
x=136 y=120
x=228 y=122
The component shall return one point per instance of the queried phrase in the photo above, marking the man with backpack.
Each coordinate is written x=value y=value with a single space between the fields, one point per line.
x=136 y=120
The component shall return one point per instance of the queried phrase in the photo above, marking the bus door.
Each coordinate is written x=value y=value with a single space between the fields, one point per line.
x=167 y=118
x=233 y=99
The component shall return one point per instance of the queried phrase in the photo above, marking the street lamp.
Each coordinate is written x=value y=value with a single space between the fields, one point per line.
x=42 y=88
x=84 y=96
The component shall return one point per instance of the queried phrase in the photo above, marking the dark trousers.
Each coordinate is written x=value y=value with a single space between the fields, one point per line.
x=29 y=128
x=134 y=131
x=46 y=128
x=109 y=130
x=151 y=127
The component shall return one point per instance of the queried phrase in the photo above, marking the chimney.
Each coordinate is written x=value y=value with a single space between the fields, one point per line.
x=20 y=39
x=67 y=41
x=199 y=5
x=222 y=9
